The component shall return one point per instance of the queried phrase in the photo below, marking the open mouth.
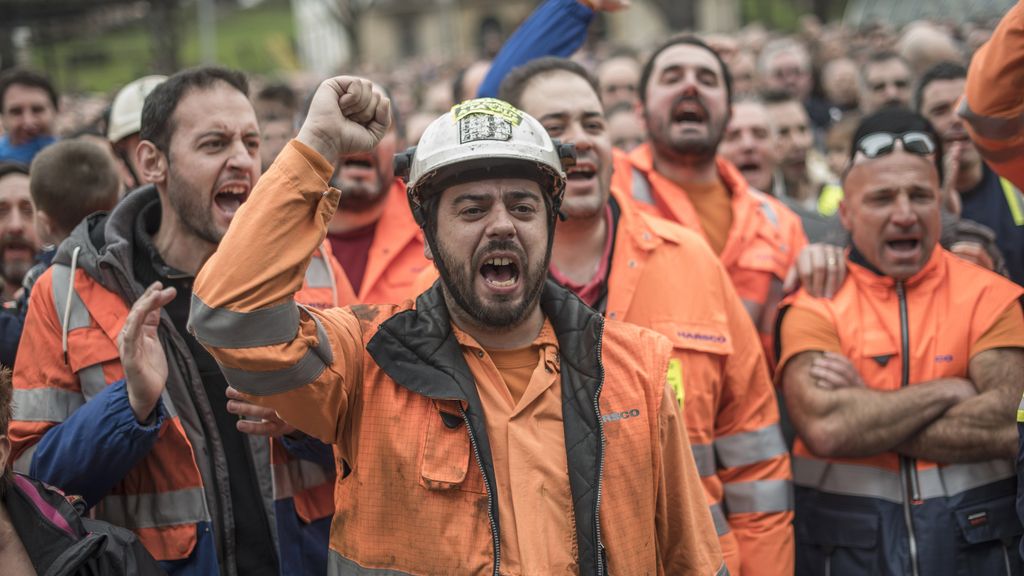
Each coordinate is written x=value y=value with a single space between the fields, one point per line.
x=230 y=198
x=903 y=245
x=581 y=172
x=749 y=166
x=689 y=111
x=500 y=271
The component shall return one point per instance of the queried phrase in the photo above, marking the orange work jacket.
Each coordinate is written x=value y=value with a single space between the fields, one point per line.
x=163 y=498
x=395 y=258
x=666 y=278
x=948 y=305
x=391 y=388
x=992 y=105
x=765 y=239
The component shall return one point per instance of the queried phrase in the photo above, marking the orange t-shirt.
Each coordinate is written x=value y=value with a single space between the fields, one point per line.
x=714 y=208
x=804 y=330
x=521 y=394
x=516 y=368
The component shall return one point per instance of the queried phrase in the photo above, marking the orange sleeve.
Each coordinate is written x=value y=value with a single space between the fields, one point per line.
x=804 y=330
x=1006 y=332
x=992 y=105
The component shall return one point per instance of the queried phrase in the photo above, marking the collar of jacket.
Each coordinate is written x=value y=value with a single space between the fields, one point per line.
x=866 y=274
x=418 y=350
x=47 y=524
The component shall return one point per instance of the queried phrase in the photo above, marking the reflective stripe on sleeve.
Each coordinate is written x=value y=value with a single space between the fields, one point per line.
x=303 y=372
x=704 y=456
x=721 y=523
x=763 y=496
x=750 y=447
x=92 y=380
x=155 y=509
x=990 y=127
x=45 y=404
x=723 y=570
x=223 y=328
x=872 y=482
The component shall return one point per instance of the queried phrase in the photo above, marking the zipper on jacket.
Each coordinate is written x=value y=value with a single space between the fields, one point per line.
x=495 y=537
x=908 y=466
x=600 y=450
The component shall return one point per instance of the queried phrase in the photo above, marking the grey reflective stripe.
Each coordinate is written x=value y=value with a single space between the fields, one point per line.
x=223 y=328
x=749 y=447
x=704 y=455
x=338 y=565
x=45 y=404
x=723 y=570
x=721 y=523
x=61 y=281
x=24 y=462
x=641 y=188
x=990 y=127
x=296 y=475
x=769 y=212
x=303 y=372
x=318 y=274
x=92 y=380
x=872 y=482
x=168 y=405
x=154 y=509
x=764 y=496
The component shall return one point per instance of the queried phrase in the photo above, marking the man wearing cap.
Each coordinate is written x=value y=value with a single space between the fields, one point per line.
x=902 y=386
x=126 y=122
x=497 y=425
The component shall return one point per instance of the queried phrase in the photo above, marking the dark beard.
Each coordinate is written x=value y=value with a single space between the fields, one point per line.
x=459 y=287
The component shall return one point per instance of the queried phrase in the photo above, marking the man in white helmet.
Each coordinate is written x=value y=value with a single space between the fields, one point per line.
x=496 y=425
x=126 y=121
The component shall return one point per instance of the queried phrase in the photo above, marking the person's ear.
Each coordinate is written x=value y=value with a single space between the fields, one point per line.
x=152 y=163
x=44 y=227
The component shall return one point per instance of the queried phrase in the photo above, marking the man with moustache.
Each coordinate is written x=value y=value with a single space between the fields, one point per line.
x=983 y=196
x=171 y=462
x=19 y=244
x=686 y=94
x=498 y=425
x=640 y=269
x=372 y=234
x=886 y=80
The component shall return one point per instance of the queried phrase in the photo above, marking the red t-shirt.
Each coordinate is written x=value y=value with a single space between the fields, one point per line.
x=352 y=249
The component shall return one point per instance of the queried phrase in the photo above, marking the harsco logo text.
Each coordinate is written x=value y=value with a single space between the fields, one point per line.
x=716 y=338
x=616 y=416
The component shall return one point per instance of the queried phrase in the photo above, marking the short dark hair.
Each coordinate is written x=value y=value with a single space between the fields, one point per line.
x=880 y=56
x=158 y=111
x=897 y=120
x=941 y=71
x=645 y=75
x=10 y=167
x=281 y=95
x=517 y=80
x=71 y=179
x=24 y=77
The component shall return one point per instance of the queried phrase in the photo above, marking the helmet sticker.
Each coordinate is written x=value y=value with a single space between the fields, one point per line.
x=491 y=106
x=476 y=127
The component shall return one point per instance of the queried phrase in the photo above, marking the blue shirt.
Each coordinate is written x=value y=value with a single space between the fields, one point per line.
x=999 y=206
x=23 y=153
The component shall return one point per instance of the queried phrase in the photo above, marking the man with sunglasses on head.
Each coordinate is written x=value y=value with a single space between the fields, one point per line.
x=902 y=386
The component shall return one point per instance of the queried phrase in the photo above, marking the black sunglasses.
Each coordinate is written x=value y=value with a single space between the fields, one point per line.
x=882 y=143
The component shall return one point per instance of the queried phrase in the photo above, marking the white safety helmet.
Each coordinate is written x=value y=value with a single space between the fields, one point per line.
x=126 y=111
x=478 y=139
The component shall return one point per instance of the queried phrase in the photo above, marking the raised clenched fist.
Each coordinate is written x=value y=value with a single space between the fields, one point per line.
x=348 y=115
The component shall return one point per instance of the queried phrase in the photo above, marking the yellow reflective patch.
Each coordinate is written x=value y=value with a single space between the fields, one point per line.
x=491 y=106
x=1014 y=200
x=675 y=379
x=1020 y=415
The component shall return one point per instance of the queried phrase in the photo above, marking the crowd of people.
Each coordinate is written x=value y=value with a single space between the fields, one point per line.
x=742 y=304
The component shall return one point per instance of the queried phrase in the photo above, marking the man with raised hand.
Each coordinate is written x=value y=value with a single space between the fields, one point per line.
x=496 y=426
